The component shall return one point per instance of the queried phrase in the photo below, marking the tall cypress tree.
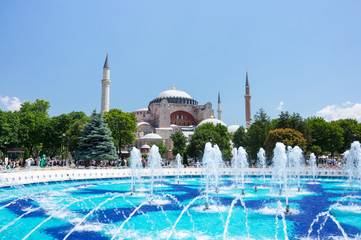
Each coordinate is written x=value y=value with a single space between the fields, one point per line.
x=95 y=141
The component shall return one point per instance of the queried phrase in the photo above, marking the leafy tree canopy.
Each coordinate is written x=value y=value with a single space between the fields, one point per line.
x=327 y=135
x=239 y=138
x=209 y=133
x=257 y=133
x=288 y=136
x=179 y=143
x=123 y=127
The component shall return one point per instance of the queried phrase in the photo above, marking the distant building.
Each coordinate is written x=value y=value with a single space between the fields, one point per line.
x=171 y=111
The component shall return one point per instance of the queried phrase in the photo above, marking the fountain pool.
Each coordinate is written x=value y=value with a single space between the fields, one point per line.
x=105 y=209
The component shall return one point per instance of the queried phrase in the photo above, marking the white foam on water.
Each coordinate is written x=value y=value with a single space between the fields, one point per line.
x=243 y=196
x=142 y=190
x=212 y=209
x=349 y=208
x=138 y=194
x=160 y=202
x=160 y=185
x=89 y=227
x=275 y=211
x=313 y=183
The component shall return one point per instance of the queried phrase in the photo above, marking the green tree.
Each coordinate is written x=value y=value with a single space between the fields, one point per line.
x=123 y=127
x=209 y=133
x=9 y=130
x=95 y=141
x=257 y=133
x=326 y=135
x=33 y=119
x=351 y=132
x=179 y=143
x=288 y=136
x=294 y=121
x=54 y=130
x=74 y=130
x=239 y=138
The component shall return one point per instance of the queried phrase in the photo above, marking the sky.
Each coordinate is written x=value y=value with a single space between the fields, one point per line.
x=301 y=56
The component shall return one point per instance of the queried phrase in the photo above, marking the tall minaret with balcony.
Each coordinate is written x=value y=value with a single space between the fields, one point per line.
x=247 y=98
x=219 y=110
x=105 y=86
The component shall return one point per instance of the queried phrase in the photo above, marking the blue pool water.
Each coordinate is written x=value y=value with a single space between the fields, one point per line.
x=103 y=209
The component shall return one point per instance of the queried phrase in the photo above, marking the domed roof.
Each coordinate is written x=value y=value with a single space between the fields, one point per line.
x=142 y=123
x=145 y=146
x=141 y=110
x=174 y=93
x=233 y=128
x=212 y=120
x=151 y=136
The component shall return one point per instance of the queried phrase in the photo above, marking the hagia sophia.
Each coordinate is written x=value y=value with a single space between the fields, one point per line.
x=171 y=111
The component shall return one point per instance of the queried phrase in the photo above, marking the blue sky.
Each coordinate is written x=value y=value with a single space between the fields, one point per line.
x=302 y=56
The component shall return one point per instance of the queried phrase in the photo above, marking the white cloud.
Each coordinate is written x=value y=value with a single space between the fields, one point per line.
x=335 y=112
x=346 y=103
x=280 y=106
x=10 y=103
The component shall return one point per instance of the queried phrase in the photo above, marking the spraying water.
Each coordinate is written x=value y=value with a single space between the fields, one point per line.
x=236 y=166
x=212 y=164
x=261 y=163
x=353 y=162
x=136 y=165
x=178 y=160
x=280 y=169
x=218 y=164
x=313 y=166
x=155 y=163
x=243 y=157
x=297 y=159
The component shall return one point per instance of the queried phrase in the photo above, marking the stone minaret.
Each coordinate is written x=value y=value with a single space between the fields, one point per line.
x=247 y=98
x=105 y=86
x=219 y=110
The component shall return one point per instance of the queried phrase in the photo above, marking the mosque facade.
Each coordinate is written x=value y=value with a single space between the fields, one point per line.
x=171 y=111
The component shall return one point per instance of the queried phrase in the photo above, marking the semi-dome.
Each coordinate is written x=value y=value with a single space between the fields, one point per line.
x=212 y=120
x=175 y=96
x=233 y=128
x=151 y=136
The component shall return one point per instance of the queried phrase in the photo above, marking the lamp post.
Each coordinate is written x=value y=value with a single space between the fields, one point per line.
x=62 y=150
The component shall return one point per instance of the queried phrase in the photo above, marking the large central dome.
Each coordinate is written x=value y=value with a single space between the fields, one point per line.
x=175 y=96
x=173 y=93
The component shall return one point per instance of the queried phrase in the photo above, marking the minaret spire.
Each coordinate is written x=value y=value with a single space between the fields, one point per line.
x=105 y=86
x=247 y=98
x=219 y=110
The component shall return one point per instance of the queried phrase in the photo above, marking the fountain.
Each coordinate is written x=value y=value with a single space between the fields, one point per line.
x=243 y=158
x=155 y=164
x=280 y=170
x=136 y=166
x=297 y=160
x=236 y=167
x=178 y=160
x=313 y=166
x=261 y=163
x=212 y=164
x=100 y=207
x=353 y=162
